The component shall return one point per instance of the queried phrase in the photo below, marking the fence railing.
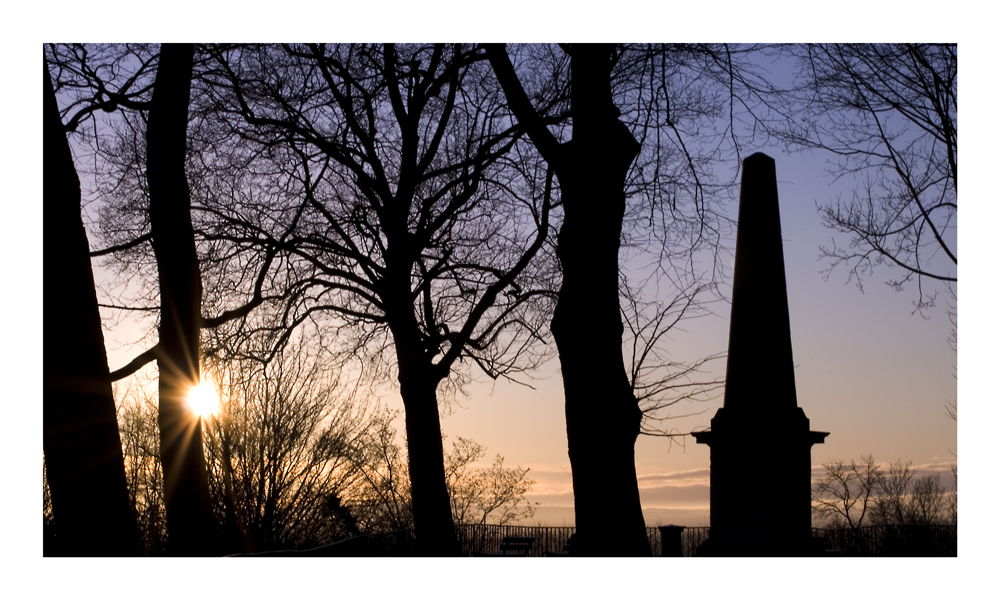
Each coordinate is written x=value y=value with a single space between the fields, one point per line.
x=893 y=540
x=691 y=538
x=875 y=540
x=485 y=539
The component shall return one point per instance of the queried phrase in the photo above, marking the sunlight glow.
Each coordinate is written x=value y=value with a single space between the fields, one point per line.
x=203 y=399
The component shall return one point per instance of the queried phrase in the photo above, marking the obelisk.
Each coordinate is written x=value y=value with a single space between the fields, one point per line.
x=760 y=439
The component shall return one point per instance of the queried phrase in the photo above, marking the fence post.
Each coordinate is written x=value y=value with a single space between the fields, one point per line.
x=670 y=540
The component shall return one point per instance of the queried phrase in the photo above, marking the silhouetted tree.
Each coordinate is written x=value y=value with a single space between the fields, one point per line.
x=178 y=356
x=951 y=505
x=83 y=454
x=137 y=424
x=383 y=501
x=904 y=499
x=391 y=210
x=120 y=79
x=846 y=490
x=283 y=455
x=493 y=494
x=418 y=215
x=640 y=119
x=602 y=414
x=889 y=115
x=490 y=494
x=864 y=493
x=659 y=381
x=286 y=449
x=293 y=462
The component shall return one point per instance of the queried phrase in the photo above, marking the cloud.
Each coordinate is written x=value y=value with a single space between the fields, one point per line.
x=671 y=490
x=553 y=485
x=675 y=496
x=669 y=494
x=677 y=478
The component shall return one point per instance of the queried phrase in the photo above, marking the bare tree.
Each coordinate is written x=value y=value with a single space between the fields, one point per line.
x=904 y=499
x=493 y=494
x=137 y=422
x=418 y=218
x=178 y=355
x=952 y=501
x=888 y=113
x=381 y=501
x=591 y=171
x=658 y=381
x=84 y=467
x=863 y=493
x=630 y=162
x=112 y=77
x=92 y=82
x=928 y=501
x=296 y=462
x=283 y=450
x=890 y=504
x=284 y=454
x=85 y=72
x=844 y=494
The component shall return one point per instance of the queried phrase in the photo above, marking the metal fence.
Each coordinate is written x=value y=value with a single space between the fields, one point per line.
x=877 y=540
x=485 y=539
x=691 y=538
x=893 y=540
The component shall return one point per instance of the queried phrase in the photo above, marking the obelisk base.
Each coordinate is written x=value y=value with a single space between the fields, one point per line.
x=761 y=477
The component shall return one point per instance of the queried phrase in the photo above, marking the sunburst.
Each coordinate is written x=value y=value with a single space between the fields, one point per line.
x=203 y=399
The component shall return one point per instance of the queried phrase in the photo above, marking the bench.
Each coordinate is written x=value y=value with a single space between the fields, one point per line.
x=513 y=546
x=516 y=546
x=566 y=548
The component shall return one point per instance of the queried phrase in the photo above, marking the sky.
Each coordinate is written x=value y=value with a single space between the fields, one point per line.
x=868 y=371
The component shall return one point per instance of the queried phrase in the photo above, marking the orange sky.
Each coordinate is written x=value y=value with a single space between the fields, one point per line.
x=868 y=371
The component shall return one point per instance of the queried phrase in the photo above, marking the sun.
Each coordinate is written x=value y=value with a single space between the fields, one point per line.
x=203 y=399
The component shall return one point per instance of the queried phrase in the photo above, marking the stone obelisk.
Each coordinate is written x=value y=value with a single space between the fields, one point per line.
x=760 y=439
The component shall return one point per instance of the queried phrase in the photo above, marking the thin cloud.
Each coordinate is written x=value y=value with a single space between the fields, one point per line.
x=677 y=478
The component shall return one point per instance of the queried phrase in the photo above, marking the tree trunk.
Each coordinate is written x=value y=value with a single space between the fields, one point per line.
x=185 y=481
x=418 y=382
x=602 y=414
x=425 y=454
x=83 y=452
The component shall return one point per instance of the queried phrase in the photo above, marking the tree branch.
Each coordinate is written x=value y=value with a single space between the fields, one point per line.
x=137 y=363
x=132 y=244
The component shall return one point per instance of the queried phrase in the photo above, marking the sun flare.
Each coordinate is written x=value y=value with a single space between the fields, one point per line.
x=203 y=399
